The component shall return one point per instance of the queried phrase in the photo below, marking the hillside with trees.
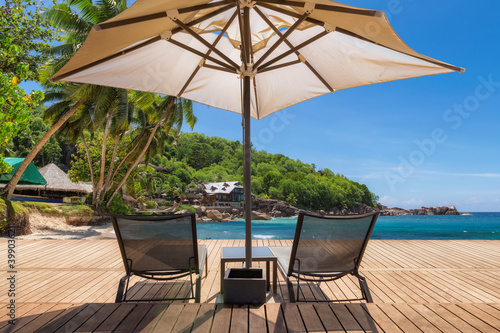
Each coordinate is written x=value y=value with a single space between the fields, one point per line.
x=196 y=157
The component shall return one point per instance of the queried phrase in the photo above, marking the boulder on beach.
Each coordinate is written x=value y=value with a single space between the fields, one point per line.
x=214 y=215
x=260 y=216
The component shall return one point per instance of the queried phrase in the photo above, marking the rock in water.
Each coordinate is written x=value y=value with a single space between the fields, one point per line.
x=260 y=216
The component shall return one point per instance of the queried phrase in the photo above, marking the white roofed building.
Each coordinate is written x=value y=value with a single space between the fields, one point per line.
x=223 y=194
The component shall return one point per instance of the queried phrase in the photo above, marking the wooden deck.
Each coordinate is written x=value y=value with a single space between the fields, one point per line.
x=417 y=286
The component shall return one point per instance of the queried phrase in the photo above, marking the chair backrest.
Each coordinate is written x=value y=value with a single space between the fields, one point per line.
x=333 y=244
x=157 y=243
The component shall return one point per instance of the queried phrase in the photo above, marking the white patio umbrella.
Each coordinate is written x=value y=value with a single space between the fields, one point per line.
x=249 y=57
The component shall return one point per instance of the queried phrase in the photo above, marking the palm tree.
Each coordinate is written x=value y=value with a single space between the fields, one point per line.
x=74 y=18
x=163 y=113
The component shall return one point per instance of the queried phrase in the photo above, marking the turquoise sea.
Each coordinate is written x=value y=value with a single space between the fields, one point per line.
x=475 y=226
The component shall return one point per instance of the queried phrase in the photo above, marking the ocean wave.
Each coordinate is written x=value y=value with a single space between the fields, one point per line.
x=263 y=236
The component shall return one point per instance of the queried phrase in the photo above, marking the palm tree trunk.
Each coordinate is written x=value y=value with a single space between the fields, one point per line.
x=128 y=154
x=103 y=159
x=139 y=158
x=8 y=190
x=89 y=159
x=108 y=182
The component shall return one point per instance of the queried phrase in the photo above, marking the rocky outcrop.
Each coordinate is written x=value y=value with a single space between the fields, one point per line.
x=440 y=210
x=266 y=209
x=275 y=208
x=217 y=216
x=260 y=216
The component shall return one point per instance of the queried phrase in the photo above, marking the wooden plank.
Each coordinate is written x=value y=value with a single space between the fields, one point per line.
x=257 y=319
x=239 y=319
x=186 y=318
x=310 y=318
x=293 y=319
x=169 y=318
x=418 y=318
x=434 y=318
x=81 y=318
x=97 y=318
x=222 y=319
x=133 y=318
x=39 y=316
x=484 y=312
x=469 y=318
x=110 y=323
x=204 y=318
x=275 y=319
x=360 y=313
x=328 y=318
x=22 y=310
x=398 y=318
x=382 y=320
x=149 y=321
x=345 y=318
x=62 y=319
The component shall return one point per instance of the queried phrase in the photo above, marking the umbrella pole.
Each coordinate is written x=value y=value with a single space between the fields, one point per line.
x=247 y=145
x=247 y=172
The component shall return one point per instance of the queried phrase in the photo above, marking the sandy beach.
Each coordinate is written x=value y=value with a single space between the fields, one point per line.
x=44 y=227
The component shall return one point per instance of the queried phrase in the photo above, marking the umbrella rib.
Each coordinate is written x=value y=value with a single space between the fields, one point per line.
x=204 y=18
x=294 y=49
x=201 y=54
x=282 y=38
x=155 y=16
x=332 y=8
x=256 y=100
x=100 y=61
x=286 y=64
x=223 y=31
x=204 y=42
x=222 y=69
x=352 y=34
x=290 y=45
x=146 y=43
x=242 y=36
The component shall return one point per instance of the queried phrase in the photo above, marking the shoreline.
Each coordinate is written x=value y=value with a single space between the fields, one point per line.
x=44 y=227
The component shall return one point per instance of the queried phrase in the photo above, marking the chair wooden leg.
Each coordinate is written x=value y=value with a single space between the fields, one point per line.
x=121 y=287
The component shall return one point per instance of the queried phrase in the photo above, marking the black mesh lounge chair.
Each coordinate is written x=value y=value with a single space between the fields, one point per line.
x=326 y=249
x=159 y=248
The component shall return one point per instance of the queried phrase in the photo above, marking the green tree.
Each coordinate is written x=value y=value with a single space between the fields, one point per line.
x=73 y=19
x=15 y=105
x=23 y=23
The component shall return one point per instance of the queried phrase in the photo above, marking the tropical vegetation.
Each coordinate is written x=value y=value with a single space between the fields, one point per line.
x=125 y=142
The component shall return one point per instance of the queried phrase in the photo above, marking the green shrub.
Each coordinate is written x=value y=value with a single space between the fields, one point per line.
x=116 y=206
x=151 y=204
x=186 y=207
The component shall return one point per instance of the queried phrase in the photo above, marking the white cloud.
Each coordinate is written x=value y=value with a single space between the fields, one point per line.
x=387 y=200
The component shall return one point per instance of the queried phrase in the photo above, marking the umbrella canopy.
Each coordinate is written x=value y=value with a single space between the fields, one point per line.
x=249 y=57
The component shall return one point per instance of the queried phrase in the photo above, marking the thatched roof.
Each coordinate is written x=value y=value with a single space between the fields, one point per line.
x=57 y=180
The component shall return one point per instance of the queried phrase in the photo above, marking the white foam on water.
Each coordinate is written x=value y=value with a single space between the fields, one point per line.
x=263 y=236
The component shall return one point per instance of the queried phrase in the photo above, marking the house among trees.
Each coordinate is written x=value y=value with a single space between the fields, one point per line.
x=223 y=194
x=55 y=185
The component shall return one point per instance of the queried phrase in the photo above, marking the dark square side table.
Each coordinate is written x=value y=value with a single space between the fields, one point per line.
x=259 y=253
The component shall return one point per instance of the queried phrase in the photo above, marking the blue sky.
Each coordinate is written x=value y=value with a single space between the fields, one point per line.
x=370 y=134
x=420 y=142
